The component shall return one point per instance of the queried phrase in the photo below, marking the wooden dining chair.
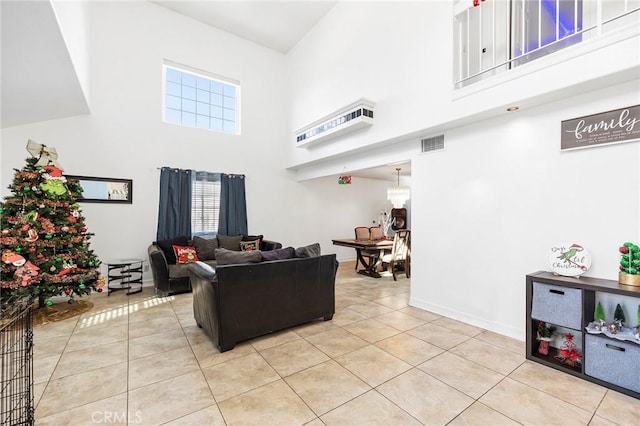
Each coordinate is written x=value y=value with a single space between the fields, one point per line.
x=375 y=233
x=363 y=233
x=399 y=260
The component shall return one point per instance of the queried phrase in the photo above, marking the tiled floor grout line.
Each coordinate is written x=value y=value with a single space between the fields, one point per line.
x=445 y=350
x=371 y=388
x=549 y=394
x=179 y=313
x=283 y=379
x=35 y=404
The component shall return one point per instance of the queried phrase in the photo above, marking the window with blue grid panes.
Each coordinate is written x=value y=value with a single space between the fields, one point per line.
x=195 y=100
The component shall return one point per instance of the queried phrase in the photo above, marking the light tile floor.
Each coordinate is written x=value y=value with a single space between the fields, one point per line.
x=141 y=360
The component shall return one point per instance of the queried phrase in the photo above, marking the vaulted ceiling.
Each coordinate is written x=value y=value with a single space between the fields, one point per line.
x=39 y=81
x=278 y=25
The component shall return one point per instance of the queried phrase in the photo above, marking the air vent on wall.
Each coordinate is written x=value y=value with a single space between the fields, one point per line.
x=352 y=117
x=435 y=143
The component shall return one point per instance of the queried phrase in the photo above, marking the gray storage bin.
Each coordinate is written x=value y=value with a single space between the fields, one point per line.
x=614 y=361
x=557 y=305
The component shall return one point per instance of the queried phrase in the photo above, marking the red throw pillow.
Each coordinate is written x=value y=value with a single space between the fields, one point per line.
x=185 y=254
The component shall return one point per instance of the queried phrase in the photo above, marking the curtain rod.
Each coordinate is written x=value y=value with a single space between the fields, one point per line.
x=202 y=171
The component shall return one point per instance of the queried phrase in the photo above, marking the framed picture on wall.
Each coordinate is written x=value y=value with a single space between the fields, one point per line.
x=104 y=190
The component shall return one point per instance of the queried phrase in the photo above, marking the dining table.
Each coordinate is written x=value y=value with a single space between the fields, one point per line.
x=371 y=266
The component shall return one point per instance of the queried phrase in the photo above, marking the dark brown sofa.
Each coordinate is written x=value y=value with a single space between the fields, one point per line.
x=233 y=303
x=170 y=278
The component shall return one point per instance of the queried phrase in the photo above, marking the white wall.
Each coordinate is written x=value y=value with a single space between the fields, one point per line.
x=376 y=50
x=485 y=210
x=73 y=18
x=488 y=208
x=399 y=54
x=124 y=136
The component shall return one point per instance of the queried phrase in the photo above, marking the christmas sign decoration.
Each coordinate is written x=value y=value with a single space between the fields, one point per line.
x=570 y=260
x=44 y=253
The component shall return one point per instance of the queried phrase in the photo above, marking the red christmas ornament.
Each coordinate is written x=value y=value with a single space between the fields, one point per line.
x=67 y=291
x=83 y=230
x=39 y=256
x=32 y=249
x=624 y=250
x=25 y=227
x=99 y=290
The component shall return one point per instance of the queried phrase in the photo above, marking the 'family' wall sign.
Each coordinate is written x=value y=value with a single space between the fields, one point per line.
x=617 y=126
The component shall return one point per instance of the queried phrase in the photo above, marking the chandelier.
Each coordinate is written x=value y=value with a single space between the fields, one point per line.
x=398 y=195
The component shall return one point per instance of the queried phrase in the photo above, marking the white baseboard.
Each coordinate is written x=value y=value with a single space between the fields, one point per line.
x=501 y=328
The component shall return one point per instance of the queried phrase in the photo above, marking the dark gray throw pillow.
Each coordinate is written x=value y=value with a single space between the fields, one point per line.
x=167 y=247
x=279 y=254
x=230 y=257
x=229 y=243
x=205 y=247
x=312 y=250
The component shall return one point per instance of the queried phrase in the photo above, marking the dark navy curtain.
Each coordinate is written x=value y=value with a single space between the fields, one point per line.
x=174 y=211
x=233 y=206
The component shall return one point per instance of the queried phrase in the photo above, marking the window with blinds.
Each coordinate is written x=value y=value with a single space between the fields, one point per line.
x=205 y=204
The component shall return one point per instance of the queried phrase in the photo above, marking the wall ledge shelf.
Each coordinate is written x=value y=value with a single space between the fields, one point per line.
x=355 y=116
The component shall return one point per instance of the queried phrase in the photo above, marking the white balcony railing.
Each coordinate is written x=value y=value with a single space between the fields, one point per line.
x=499 y=35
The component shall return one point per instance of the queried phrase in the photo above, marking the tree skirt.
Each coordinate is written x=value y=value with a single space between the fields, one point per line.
x=60 y=311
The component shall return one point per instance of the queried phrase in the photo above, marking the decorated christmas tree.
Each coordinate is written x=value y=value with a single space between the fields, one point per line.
x=44 y=241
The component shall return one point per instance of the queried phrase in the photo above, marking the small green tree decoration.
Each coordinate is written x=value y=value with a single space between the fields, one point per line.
x=630 y=259
x=545 y=330
x=598 y=314
x=618 y=315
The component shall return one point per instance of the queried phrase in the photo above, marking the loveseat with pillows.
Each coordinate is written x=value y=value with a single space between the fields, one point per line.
x=238 y=301
x=169 y=258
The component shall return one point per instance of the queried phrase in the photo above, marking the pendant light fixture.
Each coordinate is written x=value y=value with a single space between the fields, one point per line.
x=398 y=195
